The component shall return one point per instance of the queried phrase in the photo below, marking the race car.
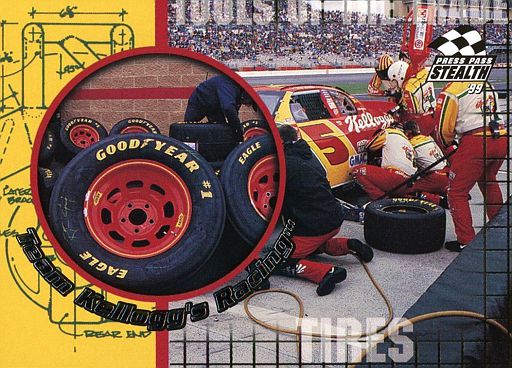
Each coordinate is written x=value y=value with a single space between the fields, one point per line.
x=334 y=123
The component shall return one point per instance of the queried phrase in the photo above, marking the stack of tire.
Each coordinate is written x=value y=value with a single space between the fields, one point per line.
x=149 y=208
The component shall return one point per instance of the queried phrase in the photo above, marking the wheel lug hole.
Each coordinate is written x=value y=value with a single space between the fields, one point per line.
x=151 y=221
x=136 y=230
x=130 y=205
x=123 y=220
x=146 y=206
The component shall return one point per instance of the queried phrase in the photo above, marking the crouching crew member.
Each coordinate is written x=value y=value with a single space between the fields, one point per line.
x=482 y=150
x=310 y=203
x=397 y=164
x=433 y=185
x=219 y=100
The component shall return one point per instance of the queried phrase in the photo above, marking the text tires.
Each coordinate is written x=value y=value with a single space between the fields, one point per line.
x=138 y=212
x=250 y=178
x=404 y=225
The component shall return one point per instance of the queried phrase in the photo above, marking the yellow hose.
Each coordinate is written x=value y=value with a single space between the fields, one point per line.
x=422 y=317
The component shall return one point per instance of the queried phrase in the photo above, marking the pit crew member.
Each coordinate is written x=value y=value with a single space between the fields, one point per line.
x=397 y=164
x=414 y=96
x=379 y=83
x=434 y=184
x=481 y=152
x=310 y=203
x=219 y=100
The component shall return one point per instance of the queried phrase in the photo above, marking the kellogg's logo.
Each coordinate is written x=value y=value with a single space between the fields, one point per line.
x=490 y=104
x=367 y=121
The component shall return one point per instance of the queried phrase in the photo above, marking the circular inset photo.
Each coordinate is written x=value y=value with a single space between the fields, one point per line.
x=158 y=174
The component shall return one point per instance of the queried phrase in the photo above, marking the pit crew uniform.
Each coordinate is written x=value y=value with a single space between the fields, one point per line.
x=459 y=113
x=218 y=99
x=436 y=180
x=378 y=86
x=397 y=164
x=418 y=101
x=310 y=203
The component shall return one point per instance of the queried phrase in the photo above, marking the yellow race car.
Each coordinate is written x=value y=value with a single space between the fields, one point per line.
x=334 y=123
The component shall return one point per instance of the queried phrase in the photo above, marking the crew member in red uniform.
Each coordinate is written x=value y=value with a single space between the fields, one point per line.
x=434 y=184
x=414 y=96
x=379 y=83
x=397 y=164
x=310 y=203
x=482 y=150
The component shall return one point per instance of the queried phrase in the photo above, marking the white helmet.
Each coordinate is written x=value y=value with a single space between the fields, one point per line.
x=397 y=71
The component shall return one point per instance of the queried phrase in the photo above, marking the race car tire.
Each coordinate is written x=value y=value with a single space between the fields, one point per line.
x=48 y=146
x=404 y=225
x=249 y=177
x=79 y=133
x=134 y=125
x=254 y=127
x=138 y=212
x=213 y=141
x=47 y=177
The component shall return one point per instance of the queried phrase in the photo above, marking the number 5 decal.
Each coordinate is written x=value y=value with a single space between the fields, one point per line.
x=327 y=140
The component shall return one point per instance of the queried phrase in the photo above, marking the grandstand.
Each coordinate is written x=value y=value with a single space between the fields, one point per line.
x=337 y=38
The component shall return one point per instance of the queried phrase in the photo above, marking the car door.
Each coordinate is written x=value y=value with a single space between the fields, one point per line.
x=315 y=111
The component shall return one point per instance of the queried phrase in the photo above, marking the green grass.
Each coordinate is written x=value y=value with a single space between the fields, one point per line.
x=362 y=87
x=354 y=88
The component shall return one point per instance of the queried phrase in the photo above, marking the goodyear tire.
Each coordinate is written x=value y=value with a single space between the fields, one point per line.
x=250 y=178
x=254 y=128
x=48 y=146
x=138 y=212
x=47 y=177
x=213 y=141
x=404 y=225
x=79 y=133
x=134 y=125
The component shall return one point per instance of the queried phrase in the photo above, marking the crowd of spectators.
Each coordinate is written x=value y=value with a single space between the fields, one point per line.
x=352 y=38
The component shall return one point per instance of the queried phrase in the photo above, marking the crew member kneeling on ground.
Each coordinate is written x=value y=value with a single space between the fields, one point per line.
x=434 y=184
x=482 y=150
x=397 y=164
x=310 y=203
x=219 y=100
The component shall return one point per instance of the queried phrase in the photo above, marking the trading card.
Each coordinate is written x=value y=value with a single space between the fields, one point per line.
x=255 y=183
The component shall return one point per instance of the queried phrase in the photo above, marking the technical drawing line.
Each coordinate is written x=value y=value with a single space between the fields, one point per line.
x=15 y=173
x=19 y=70
x=70 y=12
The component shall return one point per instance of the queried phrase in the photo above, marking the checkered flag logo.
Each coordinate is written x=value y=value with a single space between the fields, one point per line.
x=461 y=41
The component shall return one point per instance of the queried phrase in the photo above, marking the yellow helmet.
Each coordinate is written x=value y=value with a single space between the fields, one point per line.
x=384 y=62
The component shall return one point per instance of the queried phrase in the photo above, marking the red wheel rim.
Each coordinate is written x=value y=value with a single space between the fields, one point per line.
x=134 y=129
x=137 y=208
x=263 y=183
x=254 y=132
x=83 y=135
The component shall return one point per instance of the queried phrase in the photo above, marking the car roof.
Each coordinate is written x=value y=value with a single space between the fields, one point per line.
x=294 y=87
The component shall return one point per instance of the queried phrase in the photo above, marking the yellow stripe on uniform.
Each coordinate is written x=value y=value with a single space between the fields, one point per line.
x=448 y=119
x=377 y=142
